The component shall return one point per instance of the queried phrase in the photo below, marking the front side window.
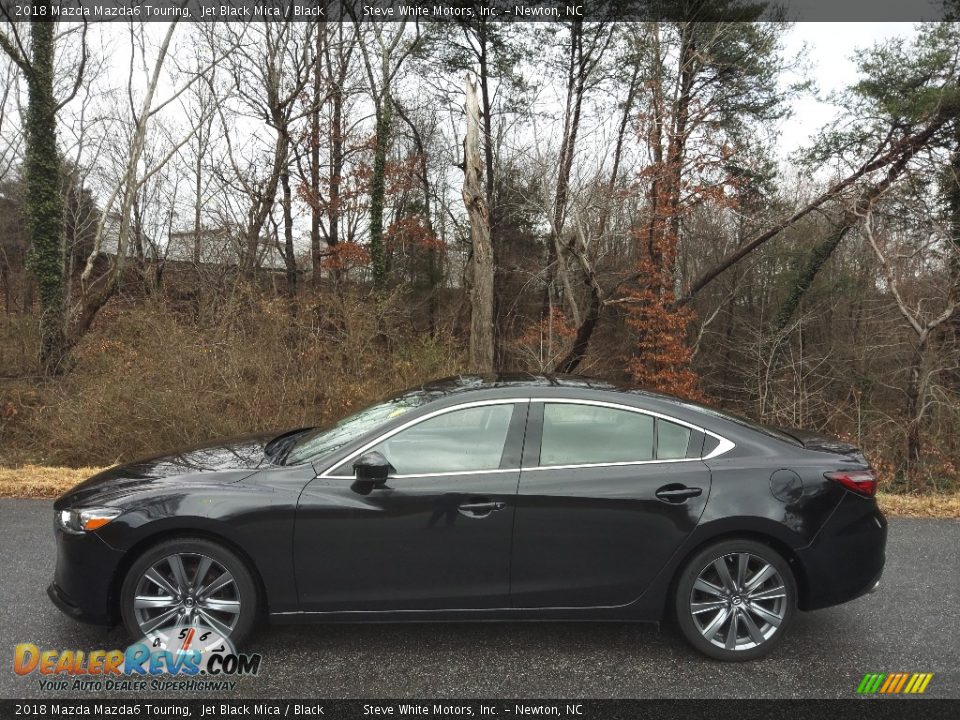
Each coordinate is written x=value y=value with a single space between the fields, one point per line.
x=575 y=434
x=464 y=440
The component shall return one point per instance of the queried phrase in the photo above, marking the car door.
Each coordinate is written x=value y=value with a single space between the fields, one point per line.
x=607 y=493
x=436 y=536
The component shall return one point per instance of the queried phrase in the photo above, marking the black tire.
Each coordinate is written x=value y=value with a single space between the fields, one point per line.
x=245 y=584
x=746 y=608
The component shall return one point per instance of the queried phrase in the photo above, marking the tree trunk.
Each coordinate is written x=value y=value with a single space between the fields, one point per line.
x=581 y=342
x=433 y=270
x=481 y=259
x=808 y=273
x=486 y=117
x=953 y=209
x=260 y=206
x=289 y=255
x=824 y=250
x=336 y=160
x=914 y=415
x=378 y=190
x=44 y=203
x=898 y=153
x=316 y=258
x=654 y=204
x=576 y=79
x=197 y=209
x=676 y=151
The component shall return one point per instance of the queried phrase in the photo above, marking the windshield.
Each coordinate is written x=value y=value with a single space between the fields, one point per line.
x=320 y=442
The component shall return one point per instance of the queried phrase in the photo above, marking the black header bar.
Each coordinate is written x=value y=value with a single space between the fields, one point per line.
x=491 y=10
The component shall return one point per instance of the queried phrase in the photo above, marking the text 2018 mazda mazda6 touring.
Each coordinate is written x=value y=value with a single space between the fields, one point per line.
x=482 y=498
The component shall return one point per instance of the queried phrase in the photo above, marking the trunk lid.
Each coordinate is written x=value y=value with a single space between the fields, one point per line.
x=812 y=440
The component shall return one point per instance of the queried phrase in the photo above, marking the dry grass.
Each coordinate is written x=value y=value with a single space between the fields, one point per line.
x=150 y=377
x=938 y=506
x=40 y=481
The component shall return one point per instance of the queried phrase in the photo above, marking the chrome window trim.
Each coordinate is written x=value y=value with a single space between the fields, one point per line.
x=415 y=421
x=609 y=464
x=439 y=474
x=722 y=447
x=723 y=444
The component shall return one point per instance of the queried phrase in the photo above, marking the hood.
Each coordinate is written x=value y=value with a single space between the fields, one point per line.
x=219 y=462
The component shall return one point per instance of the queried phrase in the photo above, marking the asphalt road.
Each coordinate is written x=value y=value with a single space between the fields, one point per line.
x=911 y=625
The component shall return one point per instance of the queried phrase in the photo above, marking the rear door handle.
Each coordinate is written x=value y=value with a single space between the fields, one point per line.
x=480 y=509
x=676 y=493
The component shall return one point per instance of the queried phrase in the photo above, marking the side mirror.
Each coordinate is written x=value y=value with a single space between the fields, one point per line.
x=372 y=467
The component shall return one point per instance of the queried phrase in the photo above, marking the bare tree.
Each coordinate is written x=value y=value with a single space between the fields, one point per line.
x=272 y=67
x=922 y=325
x=382 y=69
x=481 y=259
x=96 y=292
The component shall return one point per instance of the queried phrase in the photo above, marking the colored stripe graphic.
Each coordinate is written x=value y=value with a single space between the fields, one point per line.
x=894 y=683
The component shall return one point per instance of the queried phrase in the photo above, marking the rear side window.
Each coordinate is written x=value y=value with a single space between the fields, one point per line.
x=586 y=434
x=575 y=434
x=672 y=440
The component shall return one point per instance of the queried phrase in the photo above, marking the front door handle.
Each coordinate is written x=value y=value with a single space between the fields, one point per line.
x=480 y=508
x=676 y=493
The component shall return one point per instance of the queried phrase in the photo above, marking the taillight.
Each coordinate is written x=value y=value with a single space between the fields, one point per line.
x=860 y=481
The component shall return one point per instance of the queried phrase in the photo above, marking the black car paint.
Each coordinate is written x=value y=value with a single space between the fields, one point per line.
x=591 y=543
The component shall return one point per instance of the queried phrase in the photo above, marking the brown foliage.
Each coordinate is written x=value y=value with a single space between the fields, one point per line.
x=149 y=379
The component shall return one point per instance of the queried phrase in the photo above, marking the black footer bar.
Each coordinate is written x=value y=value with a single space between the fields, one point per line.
x=142 y=709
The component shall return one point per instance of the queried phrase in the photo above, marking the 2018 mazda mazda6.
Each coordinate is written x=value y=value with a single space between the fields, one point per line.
x=481 y=498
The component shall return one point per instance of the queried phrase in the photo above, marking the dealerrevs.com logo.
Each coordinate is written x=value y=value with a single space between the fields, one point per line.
x=136 y=669
x=900 y=683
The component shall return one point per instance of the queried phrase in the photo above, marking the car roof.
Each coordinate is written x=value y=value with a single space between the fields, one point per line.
x=456 y=384
x=457 y=388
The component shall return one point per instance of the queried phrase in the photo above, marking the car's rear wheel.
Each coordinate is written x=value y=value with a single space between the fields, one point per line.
x=189 y=588
x=735 y=599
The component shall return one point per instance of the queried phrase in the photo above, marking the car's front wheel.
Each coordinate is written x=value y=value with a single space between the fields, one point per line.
x=735 y=599
x=189 y=590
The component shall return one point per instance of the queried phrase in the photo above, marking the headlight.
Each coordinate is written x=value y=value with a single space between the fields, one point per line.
x=85 y=519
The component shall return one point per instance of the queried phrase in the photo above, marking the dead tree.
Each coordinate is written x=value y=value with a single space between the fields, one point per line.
x=923 y=330
x=481 y=258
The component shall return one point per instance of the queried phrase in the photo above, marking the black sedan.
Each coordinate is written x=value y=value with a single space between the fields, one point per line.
x=481 y=498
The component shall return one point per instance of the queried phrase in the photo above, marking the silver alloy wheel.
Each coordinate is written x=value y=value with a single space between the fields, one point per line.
x=738 y=601
x=186 y=590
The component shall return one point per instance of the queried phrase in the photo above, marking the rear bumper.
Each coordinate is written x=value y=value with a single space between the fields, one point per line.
x=846 y=558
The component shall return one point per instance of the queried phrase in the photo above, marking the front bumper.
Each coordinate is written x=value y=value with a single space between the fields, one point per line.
x=83 y=583
x=63 y=603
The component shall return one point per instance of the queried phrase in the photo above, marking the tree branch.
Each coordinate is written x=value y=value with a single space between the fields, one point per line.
x=8 y=47
x=80 y=70
x=907 y=147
